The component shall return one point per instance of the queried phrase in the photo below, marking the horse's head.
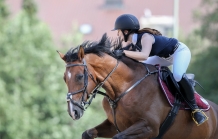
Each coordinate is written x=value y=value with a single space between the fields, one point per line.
x=76 y=77
x=80 y=81
x=88 y=67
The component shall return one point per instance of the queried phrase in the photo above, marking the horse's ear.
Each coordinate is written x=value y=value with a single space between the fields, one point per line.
x=81 y=53
x=61 y=55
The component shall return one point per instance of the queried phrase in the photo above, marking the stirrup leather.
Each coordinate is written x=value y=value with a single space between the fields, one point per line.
x=198 y=110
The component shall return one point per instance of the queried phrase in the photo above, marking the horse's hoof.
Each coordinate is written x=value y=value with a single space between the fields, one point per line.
x=85 y=135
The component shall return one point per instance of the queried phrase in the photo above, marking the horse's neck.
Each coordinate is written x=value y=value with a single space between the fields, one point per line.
x=120 y=80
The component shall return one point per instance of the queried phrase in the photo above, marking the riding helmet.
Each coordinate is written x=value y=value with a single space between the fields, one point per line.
x=126 y=21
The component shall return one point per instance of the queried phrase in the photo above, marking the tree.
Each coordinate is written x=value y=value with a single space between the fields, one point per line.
x=205 y=65
x=209 y=19
x=32 y=90
x=4 y=13
x=30 y=82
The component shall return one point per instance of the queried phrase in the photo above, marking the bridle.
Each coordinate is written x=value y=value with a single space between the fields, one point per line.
x=84 y=89
x=113 y=103
x=84 y=105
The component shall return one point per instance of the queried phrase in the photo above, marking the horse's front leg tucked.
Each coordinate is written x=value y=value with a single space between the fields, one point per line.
x=105 y=129
x=139 y=130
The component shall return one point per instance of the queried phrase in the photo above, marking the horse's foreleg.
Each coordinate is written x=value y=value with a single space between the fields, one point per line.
x=105 y=129
x=139 y=130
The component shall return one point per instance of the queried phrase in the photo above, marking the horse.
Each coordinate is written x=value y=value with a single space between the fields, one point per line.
x=134 y=101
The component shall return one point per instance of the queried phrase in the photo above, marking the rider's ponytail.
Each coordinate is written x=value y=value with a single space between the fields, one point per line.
x=150 y=30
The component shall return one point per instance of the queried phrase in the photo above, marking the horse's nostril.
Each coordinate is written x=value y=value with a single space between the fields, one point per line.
x=75 y=113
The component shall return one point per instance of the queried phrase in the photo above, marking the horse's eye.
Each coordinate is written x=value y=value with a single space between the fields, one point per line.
x=79 y=77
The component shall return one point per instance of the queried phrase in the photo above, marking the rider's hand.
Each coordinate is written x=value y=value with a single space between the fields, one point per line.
x=118 y=53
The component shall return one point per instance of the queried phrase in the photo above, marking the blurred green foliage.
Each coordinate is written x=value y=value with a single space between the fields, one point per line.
x=32 y=90
x=208 y=18
x=204 y=46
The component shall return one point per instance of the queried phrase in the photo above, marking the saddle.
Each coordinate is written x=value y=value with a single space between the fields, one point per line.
x=171 y=88
x=175 y=97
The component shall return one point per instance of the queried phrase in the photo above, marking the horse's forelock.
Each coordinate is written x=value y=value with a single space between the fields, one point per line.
x=71 y=55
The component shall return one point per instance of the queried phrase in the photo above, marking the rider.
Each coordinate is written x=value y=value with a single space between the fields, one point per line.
x=149 y=46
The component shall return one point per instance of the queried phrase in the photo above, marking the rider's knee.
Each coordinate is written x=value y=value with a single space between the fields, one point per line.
x=177 y=77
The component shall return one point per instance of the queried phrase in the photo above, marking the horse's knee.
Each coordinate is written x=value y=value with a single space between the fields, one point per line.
x=117 y=137
x=85 y=135
x=89 y=134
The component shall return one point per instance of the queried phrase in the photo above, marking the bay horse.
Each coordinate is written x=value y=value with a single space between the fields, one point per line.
x=134 y=101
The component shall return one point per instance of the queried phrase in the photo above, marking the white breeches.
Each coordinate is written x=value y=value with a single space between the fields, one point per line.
x=180 y=61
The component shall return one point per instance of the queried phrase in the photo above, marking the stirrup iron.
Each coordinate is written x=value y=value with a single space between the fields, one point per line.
x=198 y=110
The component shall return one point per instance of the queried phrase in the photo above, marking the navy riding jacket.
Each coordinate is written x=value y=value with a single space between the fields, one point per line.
x=162 y=47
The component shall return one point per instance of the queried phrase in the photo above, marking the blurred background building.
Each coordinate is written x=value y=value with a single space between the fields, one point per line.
x=95 y=17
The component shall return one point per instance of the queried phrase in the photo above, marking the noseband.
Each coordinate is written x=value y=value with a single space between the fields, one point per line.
x=84 y=89
x=84 y=105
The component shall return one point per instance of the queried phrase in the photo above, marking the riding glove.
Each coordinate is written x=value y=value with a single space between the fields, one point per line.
x=118 y=53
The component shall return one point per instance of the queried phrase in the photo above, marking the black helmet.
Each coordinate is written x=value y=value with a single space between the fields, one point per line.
x=126 y=21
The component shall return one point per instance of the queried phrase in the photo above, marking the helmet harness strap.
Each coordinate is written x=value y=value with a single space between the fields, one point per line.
x=126 y=36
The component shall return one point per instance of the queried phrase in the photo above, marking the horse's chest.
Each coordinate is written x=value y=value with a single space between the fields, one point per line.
x=126 y=113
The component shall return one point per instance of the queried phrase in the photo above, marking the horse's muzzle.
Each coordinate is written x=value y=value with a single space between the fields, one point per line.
x=74 y=111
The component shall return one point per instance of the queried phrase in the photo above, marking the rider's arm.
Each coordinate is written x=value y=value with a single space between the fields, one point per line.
x=146 y=41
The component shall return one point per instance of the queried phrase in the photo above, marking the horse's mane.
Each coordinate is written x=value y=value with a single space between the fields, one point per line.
x=105 y=45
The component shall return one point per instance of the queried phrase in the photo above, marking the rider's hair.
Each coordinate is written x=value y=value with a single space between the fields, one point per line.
x=149 y=30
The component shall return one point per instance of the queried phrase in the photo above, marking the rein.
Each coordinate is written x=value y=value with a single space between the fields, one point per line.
x=113 y=103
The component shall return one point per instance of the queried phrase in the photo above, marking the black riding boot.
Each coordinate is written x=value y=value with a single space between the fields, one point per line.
x=198 y=115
